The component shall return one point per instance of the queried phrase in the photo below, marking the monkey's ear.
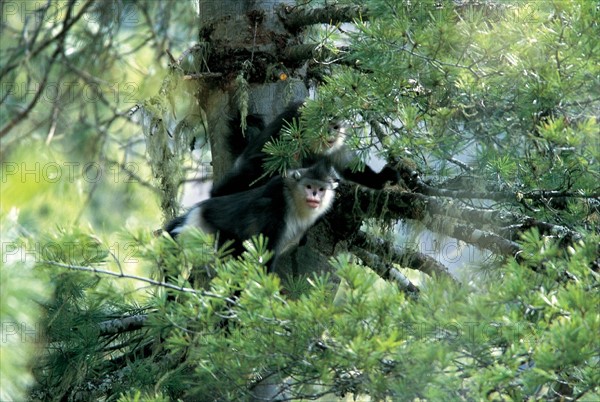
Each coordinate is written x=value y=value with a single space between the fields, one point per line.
x=335 y=184
x=296 y=174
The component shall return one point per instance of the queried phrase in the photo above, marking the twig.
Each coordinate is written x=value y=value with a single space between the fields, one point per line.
x=138 y=278
x=201 y=76
x=41 y=88
x=67 y=24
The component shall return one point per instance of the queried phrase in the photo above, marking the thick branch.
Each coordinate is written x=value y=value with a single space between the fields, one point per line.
x=480 y=238
x=295 y=18
x=439 y=202
x=120 y=325
x=385 y=271
x=414 y=180
x=398 y=204
x=469 y=214
x=515 y=223
x=407 y=258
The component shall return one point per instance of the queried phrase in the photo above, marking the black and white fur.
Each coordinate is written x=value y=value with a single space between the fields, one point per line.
x=282 y=210
x=247 y=171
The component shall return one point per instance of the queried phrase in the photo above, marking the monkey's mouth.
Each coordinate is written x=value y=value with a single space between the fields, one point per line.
x=312 y=203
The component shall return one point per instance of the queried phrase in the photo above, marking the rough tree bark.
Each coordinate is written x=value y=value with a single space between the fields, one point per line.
x=245 y=40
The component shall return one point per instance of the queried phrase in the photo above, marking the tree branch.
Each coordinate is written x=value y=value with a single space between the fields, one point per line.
x=414 y=180
x=295 y=18
x=315 y=51
x=480 y=238
x=67 y=25
x=496 y=218
x=397 y=204
x=137 y=278
x=120 y=325
x=386 y=271
x=407 y=258
x=60 y=37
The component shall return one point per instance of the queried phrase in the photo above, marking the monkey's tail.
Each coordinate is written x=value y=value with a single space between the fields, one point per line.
x=174 y=226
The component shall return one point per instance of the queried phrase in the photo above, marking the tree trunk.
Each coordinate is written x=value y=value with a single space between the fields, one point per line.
x=246 y=39
x=249 y=39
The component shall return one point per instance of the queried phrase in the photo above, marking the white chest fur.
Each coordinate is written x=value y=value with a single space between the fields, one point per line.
x=296 y=226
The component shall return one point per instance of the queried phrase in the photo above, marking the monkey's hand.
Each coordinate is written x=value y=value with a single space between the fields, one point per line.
x=390 y=175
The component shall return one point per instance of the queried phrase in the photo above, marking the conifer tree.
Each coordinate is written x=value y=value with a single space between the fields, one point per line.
x=487 y=110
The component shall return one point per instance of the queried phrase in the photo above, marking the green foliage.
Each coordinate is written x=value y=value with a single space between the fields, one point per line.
x=76 y=156
x=508 y=89
x=22 y=291
x=139 y=397
x=530 y=335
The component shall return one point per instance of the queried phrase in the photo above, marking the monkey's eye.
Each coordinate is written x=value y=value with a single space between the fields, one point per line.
x=321 y=189
x=308 y=186
x=336 y=127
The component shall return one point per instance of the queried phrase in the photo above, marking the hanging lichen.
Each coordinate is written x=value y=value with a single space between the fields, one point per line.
x=166 y=142
x=242 y=97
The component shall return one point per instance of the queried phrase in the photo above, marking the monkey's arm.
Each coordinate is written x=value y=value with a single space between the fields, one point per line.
x=241 y=177
x=369 y=178
x=246 y=147
x=344 y=157
x=248 y=166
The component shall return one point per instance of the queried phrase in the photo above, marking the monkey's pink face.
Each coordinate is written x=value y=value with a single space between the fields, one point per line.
x=314 y=195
